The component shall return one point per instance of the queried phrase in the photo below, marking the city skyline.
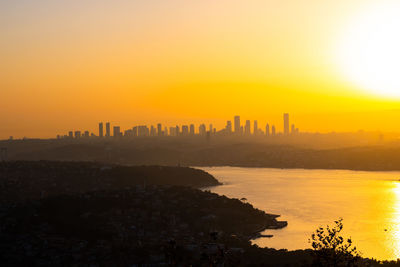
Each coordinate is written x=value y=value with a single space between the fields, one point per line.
x=185 y=130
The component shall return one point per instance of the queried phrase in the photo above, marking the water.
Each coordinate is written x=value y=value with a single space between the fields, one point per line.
x=369 y=203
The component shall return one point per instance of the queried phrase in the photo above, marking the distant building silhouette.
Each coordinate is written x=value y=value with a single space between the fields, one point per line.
x=247 y=128
x=185 y=130
x=267 y=130
x=228 y=127
x=273 y=132
x=192 y=132
x=71 y=134
x=202 y=129
x=117 y=131
x=77 y=134
x=286 y=123
x=108 y=129
x=237 y=124
x=101 y=129
x=159 y=129
x=255 y=131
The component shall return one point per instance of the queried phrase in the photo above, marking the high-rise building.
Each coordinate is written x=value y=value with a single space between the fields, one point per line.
x=100 y=129
x=237 y=124
x=108 y=130
x=228 y=127
x=86 y=134
x=153 y=131
x=77 y=134
x=178 y=131
x=135 y=131
x=267 y=130
x=210 y=129
x=293 y=129
x=185 y=130
x=143 y=130
x=159 y=129
x=117 y=131
x=71 y=134
x=247 y=128
x=255 y=132
x=165 y=131
x=191 y=131
x=172 y=131
x=202 y=129
x=273 y=132
x=286 y=123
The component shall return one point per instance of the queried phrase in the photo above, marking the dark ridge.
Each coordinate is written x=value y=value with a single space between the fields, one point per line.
x=22 y=180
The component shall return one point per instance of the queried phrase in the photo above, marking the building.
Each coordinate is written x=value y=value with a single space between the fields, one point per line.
x=228 y=127
x=273 y=132
x=191 y=130
x=159 y=129
x=77 y=134
x=210 y=129
x=86 y=134
x=108 y=130
x=134 y=131
x=100 y=129
x=143 y=130
x=185 y=130
x=293 y=129
x=177 y=131
x=71 y=134
x=117 y=131
x=237 y=124
x=255 y=131
x=172 y=131
x=202 y=129
x=286 y=123
x=153 y=131
x=267 y=130
x=247 y=128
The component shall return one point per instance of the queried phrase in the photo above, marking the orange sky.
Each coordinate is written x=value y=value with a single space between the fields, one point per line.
x=70 y=64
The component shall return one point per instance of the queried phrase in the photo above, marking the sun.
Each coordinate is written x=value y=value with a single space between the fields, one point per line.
x=369 y=50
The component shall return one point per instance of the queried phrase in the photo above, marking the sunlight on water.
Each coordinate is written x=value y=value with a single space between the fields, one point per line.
x=369 y=203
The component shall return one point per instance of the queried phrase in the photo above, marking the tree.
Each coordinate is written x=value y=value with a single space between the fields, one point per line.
x=331 y=249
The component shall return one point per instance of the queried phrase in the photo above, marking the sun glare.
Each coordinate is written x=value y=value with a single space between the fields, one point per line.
x=369 y=52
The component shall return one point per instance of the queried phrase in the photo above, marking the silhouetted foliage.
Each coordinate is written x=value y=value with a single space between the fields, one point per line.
x=331 y=249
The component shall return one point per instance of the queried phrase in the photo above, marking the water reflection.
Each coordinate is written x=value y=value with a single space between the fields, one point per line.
x=369 y=203
x=394 y=240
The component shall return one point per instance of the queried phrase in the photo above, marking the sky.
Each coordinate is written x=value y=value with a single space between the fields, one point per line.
x=67 y=65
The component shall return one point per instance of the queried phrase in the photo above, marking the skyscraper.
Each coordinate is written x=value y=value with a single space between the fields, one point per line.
x=117 y=131
x=247 y=128
x=286 y=123
x=108 y=130
x=237 y=124
x=202 y=129
x=159 y=129
x=228 y=127
x=267 y=130
x=191 y=129
x=100 y=129
x=273 y=130
x=255 y=132
x=185 y=130
x=293 y=130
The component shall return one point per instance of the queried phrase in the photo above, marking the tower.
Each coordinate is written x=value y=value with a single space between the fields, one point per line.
x=255 y=132
x=267 y=130
x=108 y=130
x=100 y=129
x=286 y=123
x=237 y=124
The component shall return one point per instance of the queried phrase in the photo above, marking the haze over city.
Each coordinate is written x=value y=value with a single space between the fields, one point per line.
x=67 y=64
x=200 y=133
